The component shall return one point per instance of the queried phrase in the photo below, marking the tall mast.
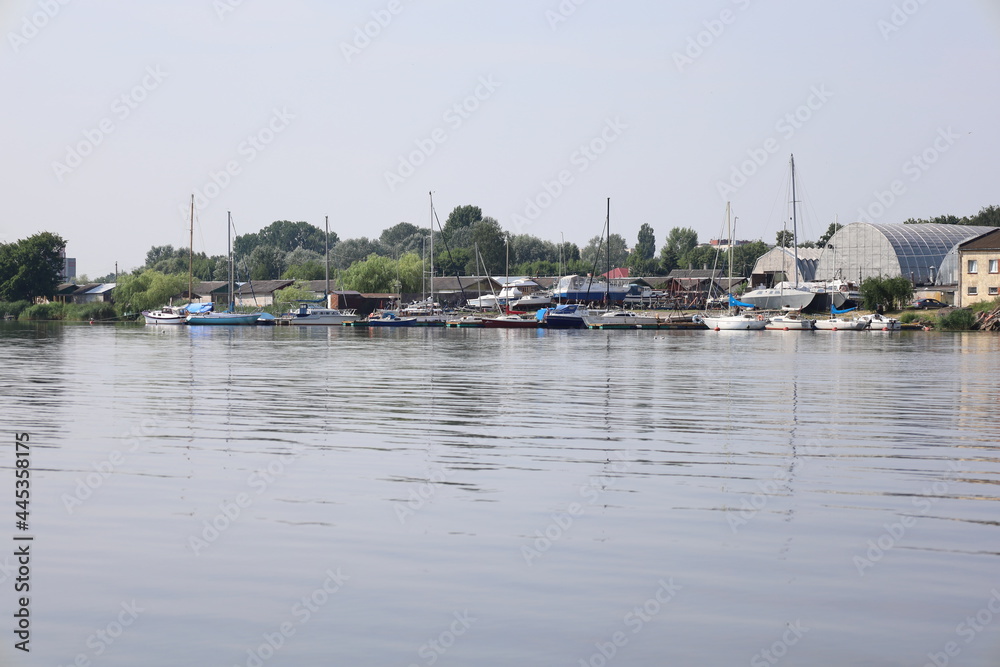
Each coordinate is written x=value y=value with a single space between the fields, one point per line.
x=607 y=285
x=191 y=256
x=795 y=237
x=229 y=243
x=326 y=252
x=431 y=195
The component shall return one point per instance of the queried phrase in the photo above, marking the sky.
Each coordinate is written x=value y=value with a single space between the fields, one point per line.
x=116 y=112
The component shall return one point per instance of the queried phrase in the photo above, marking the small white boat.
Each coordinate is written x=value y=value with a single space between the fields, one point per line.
x=307 y=315
x=739 y=322
x=165 y=315
x=789 y=322
x=878 y=322
x=841 y=324
x=621 y=319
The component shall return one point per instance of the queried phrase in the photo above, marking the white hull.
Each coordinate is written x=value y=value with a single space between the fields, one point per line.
x=837 y=324
x=320 y=316
x=785 y=323
x=621 y=318
x=735 y=322
x=773 y=298
x=165 y=315
x=881 y=323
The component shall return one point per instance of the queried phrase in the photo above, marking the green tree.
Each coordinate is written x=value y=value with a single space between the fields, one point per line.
x=490 y=238
x=784 y=238
x=461 y=217
x=373 y=274
x=31 y=267
x=746 y=255
x=830 y=231
x=353 y=250
x=410 y=269
x=645 y=246
x=404 y=237
x=680 y=241
x=988 y=216
x=265 y=263
x=146 y=290
x=596 y=250
x=285 y=236
x=705 y=257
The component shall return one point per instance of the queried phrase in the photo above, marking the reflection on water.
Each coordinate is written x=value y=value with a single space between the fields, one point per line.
x=299 y=496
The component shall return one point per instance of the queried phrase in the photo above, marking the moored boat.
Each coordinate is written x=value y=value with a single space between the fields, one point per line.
x=879 y=322
x=165 y=315
x=510 y=322
x=311 y=315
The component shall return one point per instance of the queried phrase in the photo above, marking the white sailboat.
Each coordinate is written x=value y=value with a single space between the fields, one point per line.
x=736 y=320
x=784 y=295
x=230 y=316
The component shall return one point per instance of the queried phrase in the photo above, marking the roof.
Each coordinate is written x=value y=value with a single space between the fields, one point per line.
x=209 y=286
x=261 y=287
x=620 y=272
x=988 y=241
x=702 y=274
x=781 y=259
x=103 y=288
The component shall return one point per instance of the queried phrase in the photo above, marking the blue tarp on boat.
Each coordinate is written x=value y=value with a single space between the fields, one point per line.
x=196 y=308
x=833 y=310
x=733 y=303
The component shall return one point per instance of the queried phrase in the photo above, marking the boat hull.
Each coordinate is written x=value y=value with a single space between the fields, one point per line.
x=781 y=323
x=837 y=324
x=734 y=323
x=152 y=318
x=223 y=319
x=778 y=299
x=511 y=324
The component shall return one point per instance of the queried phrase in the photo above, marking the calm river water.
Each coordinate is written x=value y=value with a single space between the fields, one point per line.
x=339 y=496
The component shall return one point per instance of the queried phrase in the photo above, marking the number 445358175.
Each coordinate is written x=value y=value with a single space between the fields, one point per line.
x=22 y=489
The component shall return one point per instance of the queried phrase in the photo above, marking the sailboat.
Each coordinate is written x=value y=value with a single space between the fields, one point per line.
x=175 y=314
x=736 y=320
x=229 y=316
x=784 y=295
x=309 y=314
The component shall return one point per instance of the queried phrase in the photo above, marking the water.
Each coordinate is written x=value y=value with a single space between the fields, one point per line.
x=499 y=497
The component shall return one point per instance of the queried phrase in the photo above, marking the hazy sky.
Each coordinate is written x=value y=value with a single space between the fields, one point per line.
x=115 y=112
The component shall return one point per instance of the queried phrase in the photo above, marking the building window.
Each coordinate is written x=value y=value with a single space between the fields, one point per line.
x=973 y=266
x=993 y=266
x=973 y=290
x=993 y=291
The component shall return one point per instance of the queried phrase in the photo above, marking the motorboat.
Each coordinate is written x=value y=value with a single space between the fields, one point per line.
x=308 y=315
x=841 y=324
x=879 y=322
x=789 y=321
x=390 y=319
x=621 y=319
x=566 y=316
x=510 y=322
x=745 y=321
x=166 y=315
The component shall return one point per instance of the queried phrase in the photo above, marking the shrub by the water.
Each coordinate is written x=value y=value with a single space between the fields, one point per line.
x=960 y=319
x=44 y=311
x=13 y=308
x=909 y=316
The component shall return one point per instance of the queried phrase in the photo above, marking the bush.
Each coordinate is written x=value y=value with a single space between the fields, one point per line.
x=978 y=307
x=91 y=311
x=908 y=317
x=960 y=319
x=44 y=311
x=13 y=308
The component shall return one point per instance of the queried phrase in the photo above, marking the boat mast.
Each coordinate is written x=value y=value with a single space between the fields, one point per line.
x=431 y=195
x=326 y=253
x=607 y=284
x=795 y=237
x=190 y=256
x=229 y=242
